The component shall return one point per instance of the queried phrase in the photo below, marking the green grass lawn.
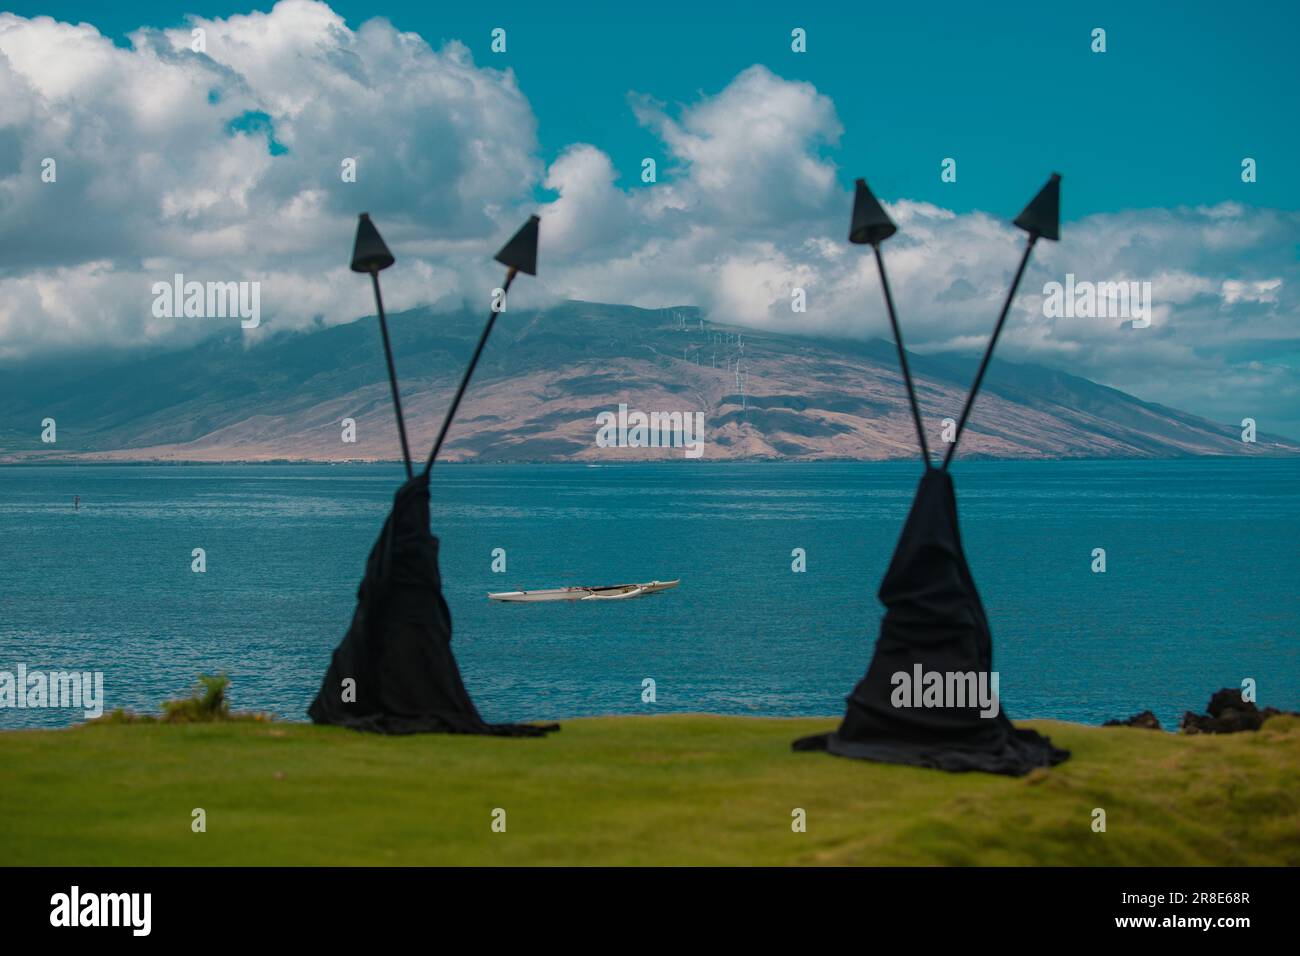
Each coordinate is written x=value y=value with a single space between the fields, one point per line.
x=632 y=790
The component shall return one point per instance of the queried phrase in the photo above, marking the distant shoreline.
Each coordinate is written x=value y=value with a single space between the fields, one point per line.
x=397 y=462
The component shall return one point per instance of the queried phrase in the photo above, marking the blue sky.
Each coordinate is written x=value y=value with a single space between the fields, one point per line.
x=225 y=164
x=1011 y=90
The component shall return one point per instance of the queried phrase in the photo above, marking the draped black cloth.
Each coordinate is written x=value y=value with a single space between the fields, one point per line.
x=398 y=649
x=934 y=618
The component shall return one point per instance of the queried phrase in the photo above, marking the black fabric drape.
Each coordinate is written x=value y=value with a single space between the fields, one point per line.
x=398 y=649
x=933 y=617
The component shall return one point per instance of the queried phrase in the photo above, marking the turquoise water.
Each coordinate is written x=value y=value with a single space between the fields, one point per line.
x=1200 y=589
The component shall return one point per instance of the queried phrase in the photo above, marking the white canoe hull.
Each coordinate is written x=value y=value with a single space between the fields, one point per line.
x=654 y=587
x=613 y=592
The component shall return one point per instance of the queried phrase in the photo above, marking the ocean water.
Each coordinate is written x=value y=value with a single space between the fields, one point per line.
x=1200 y=590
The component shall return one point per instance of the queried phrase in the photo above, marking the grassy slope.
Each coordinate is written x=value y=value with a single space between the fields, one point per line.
x=632 y=790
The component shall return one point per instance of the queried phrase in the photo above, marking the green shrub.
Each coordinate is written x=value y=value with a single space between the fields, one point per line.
x=206 y=704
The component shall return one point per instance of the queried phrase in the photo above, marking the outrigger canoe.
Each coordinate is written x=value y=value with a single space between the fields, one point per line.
x=610 y=592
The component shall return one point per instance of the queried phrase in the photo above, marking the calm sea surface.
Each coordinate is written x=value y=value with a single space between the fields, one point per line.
x=1200 y=591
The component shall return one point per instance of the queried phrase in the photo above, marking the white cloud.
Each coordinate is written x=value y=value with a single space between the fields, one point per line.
x=751 y=152
x=1262 y=290
x=164 y=165
x=590 y=213
x=154 y=179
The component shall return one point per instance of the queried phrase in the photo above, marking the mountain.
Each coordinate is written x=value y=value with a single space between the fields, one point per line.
x=546 y=375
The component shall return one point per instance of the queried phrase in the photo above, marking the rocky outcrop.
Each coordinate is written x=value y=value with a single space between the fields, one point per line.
x=1146 y=720
x=1228 y=713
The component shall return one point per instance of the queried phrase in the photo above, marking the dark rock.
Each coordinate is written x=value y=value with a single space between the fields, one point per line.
x=1227 y=713
x=1228 y=699
x=1146 y=720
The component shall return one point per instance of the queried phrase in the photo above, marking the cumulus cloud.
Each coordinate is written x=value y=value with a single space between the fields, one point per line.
x=754 y=210
x=224 y=164
x=751 y=153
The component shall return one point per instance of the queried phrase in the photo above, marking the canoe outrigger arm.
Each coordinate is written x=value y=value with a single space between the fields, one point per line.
x=609 y=592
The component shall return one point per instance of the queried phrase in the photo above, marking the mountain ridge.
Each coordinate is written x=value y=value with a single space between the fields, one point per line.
x=545 y=376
